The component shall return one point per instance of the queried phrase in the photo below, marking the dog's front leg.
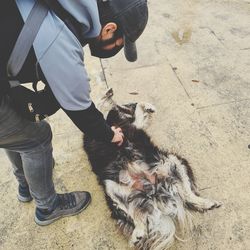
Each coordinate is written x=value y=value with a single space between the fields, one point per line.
x=143 y=114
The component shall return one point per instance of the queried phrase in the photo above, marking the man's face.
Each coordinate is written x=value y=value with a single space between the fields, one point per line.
x=108 y=43
x=111 y=43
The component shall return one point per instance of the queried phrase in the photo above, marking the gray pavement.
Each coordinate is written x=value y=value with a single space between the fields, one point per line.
x=194 y=60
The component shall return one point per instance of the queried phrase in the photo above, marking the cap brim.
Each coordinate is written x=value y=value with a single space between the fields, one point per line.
x=130 y=50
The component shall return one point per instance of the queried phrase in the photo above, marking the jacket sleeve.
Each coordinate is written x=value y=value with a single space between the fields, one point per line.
x=91 y=122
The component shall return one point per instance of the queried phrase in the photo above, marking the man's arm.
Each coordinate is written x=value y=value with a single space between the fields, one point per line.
x=91 y=122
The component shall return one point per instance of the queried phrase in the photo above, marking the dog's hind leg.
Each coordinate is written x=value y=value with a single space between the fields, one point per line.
x=186 y=189
x=192 y=200
x=119 y=194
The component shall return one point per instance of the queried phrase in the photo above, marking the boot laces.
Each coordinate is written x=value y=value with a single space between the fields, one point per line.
x=66 y=201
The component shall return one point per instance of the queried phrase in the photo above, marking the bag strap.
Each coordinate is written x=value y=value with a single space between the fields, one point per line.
x=69 y=20
x=25 y=40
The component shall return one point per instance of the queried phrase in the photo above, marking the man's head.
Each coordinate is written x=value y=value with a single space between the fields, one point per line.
x=123 y=21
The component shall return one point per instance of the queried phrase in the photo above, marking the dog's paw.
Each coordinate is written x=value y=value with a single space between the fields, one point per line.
x=149 y=108
x=209 y=205
x=215 y=204
x=146 y=107
x=137 y=235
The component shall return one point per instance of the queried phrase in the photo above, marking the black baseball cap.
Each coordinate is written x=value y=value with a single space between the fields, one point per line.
x=132 y=17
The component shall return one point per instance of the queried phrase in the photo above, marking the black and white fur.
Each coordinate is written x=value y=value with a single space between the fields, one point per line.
x=149 y=190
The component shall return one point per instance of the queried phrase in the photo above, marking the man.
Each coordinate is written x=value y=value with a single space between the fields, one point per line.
x=57 y=58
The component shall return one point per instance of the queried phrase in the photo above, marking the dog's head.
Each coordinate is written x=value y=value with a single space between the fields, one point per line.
x=121 y=116
x=137 y=114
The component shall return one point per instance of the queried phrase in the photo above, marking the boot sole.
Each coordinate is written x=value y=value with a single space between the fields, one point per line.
x=47 y=222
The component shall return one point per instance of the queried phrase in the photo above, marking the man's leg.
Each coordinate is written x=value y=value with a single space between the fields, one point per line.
x=37 y=166
x=32 y=141
x=17 y=164
x=23 y=187
x=29 y=148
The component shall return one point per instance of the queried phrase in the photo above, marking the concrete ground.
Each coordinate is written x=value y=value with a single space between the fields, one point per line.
x=194 y=60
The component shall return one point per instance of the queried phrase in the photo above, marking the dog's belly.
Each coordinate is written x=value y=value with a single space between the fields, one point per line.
x=137 y=175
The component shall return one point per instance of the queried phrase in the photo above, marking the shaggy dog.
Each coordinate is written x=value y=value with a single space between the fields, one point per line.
x=148 y=190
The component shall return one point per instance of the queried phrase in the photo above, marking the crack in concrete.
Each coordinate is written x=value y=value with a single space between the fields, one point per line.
x=179 y=80
x=220 y=104
x=104 y=74
x=213 y=33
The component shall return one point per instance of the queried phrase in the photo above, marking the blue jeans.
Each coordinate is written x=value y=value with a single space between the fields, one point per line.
x=28 y=146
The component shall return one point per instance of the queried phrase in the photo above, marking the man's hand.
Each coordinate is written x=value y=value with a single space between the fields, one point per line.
x=118 y=136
